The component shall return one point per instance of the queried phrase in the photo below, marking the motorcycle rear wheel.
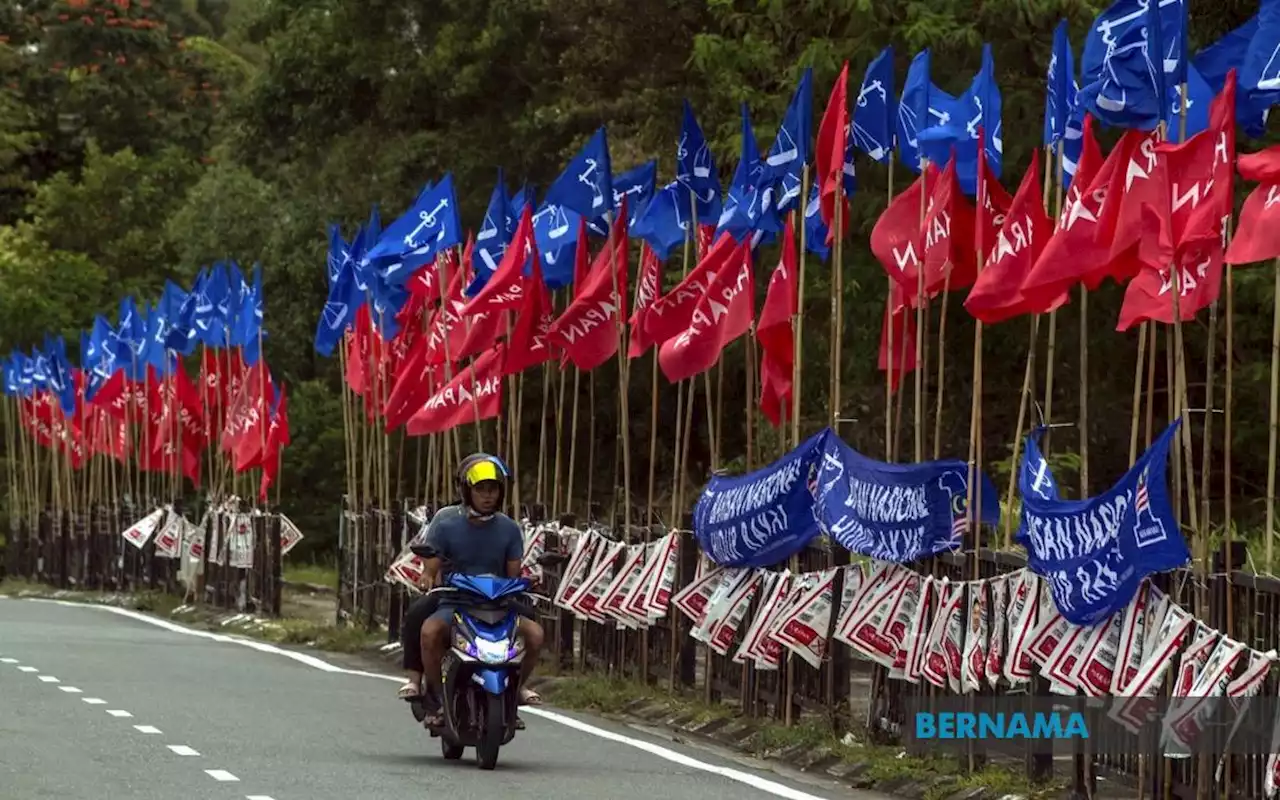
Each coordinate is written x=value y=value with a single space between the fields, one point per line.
x=495 y=730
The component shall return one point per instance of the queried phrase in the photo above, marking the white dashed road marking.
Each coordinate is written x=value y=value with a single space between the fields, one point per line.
x=220 y=775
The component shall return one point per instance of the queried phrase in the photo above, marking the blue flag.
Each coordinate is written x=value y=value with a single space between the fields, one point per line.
x=339 y=310
x=978 y=111
x=876 y=108
x=431 y=225
x=1095 y=552
x=493 y=236
x=1060 y=87
x=815 y=230
x=765 y=517
x=665 y=221
x=696 y=168
x=913 y=110
x=1228 y=53
x=898 y=512
x=555 y=231
x=1260 y=72
x=586 y=185
x=790 y=150
x=749 y=205
x=636 y=186
x=1134 y=54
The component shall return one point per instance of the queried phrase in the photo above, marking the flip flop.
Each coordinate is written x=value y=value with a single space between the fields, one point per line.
x=530 y=698
x=410 y=691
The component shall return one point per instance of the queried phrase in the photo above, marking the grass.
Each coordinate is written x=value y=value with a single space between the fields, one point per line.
x=311 y=572
x=611 y=696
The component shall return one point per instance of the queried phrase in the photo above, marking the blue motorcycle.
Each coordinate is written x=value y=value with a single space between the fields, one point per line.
x=481 y=670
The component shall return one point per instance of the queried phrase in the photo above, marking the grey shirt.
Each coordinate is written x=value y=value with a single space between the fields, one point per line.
x=482 y=548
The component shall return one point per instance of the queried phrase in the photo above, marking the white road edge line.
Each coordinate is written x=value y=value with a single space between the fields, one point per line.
x=221 y=775
x=27 y=669
x=665 y=753
x=94 y=701
x=146 y=729
x=259 y=797
x=71 y=690
x=48 y=679
x=182 y=750
x=115 y=712
x=8 y=661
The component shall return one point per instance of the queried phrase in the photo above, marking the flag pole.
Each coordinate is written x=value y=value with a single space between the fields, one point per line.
x=684 y=400
x=889 y=359
x=623 y=376
x=921 y=333
x=1274 y=427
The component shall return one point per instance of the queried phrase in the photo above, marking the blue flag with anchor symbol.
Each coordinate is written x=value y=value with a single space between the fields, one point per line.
x=586 y=185
x=1095 y=552
x=893 y=512
x=431 y=225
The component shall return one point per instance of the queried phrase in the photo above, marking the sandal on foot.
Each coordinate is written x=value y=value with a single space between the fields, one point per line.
x=529 y=697
x=519 y=723
x=410 y=691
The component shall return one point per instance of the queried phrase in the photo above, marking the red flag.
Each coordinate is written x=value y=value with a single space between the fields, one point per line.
x=474 y=334
x=1077 y=251
x=1201 y=176
x=896 y=240
x=412 y=386
x=992 y=206
x=829 y=155
x=648 y=289
x=723 y=314
x=277 y=438
x=670 y=313
x=504 y=287
x=996 y=295
x=587 y=331
x=1257 y=236
x=529 y=345
x=947 y=233
x=1149 y=296
x=774 y=333
x=474 y=394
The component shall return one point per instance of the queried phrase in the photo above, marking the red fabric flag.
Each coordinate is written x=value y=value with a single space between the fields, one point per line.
x=896 y=240
x=529 y=345
x=996 y=295
x=587 y=331
x=1149 y=297
x=504 y=287
x=899 y=359
x=1257 y=235
x=1137 y=224
x=829 y=155
x=277 y=438
x=947 y=233
x=477 y=333
x=774 y=333
x=474 y=394
x=992 y=206
x=706 y=238
x=1201 y=176
x=648 y=289
x=670 y=313
x=412 y=387
x=1076 y=252
x=723 y=314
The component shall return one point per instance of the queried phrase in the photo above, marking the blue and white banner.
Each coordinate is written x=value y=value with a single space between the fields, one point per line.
x=765 y=517
x=1096 y=552
x=898 y=512
x=892 y=512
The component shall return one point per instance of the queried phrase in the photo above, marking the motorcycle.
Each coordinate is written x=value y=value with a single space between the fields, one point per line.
x=481 y=671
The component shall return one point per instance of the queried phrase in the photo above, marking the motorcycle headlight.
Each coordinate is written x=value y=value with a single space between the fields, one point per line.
x=491 y=652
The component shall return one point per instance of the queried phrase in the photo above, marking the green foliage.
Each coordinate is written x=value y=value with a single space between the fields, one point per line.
x=42 y=289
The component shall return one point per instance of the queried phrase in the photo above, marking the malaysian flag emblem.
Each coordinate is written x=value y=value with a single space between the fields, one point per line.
x=1142 y=502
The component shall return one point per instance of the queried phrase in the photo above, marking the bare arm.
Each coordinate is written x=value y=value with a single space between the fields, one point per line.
x=515 y=551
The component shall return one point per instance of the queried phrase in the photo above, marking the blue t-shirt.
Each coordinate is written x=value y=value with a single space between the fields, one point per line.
x=481 y=548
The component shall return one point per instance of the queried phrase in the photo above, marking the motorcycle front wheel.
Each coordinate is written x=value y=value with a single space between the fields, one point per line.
x=493 y=732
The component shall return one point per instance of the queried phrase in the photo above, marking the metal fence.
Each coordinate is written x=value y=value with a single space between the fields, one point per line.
x=86 y=551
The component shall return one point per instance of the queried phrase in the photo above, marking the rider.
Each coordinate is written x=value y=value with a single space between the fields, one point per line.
x=477 y=539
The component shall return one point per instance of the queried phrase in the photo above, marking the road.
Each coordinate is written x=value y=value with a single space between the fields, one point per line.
x=98 y=702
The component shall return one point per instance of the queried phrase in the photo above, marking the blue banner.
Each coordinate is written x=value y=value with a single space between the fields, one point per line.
x=893 y=512
x=765 y=517
x=898 y=512
x=1096 y=552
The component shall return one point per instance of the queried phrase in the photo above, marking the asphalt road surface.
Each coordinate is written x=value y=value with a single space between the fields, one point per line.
x=98 y=702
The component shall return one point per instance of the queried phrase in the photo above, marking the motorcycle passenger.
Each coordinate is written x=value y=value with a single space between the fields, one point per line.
x=475 y=540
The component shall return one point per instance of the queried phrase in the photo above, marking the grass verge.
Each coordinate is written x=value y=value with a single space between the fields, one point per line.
x=320 y=634
x=883 y=764
x=311 y=572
